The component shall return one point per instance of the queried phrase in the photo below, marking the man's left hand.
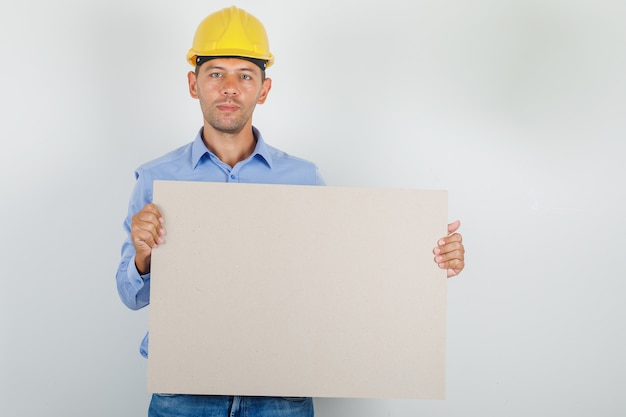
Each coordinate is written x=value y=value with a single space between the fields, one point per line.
x=450 y=253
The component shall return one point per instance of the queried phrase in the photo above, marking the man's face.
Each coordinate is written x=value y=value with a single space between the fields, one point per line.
x=228 y=90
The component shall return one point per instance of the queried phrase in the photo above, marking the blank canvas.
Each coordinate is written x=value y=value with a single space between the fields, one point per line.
x=284 y=290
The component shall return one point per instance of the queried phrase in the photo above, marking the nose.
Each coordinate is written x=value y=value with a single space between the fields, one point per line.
x=229 y=86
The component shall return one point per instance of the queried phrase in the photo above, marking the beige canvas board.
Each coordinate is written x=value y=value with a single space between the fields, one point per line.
x=285 y=290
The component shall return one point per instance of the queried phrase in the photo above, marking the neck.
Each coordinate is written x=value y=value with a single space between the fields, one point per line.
x=230 y=148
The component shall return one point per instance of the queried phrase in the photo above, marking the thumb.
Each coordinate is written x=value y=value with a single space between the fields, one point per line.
x=454 y=226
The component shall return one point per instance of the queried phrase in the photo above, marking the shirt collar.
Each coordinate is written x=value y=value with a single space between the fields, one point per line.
x=199 y=149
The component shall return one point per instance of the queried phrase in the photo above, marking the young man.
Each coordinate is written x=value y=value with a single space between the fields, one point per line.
x=230 y=53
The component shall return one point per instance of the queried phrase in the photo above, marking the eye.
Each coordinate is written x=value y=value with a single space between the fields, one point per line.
x=215 y=75
x=245 y=77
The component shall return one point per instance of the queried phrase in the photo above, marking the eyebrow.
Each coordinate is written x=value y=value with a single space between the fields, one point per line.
x=218 y=67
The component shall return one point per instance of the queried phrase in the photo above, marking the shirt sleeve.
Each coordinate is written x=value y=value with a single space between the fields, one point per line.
x=133 y=288
x=319 y=180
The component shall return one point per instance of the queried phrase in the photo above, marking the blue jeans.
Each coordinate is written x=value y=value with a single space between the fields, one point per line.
x=225 y=406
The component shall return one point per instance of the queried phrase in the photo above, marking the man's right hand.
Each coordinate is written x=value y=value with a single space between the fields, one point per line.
x=146 y=231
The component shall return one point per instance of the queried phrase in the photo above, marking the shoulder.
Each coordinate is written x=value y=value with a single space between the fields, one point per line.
x=171 y=166
x=167 y=165
x=292 y=169
x=277 y=157
x=174 y=158
x=282 y=157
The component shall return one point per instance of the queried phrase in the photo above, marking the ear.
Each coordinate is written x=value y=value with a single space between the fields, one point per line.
x=265 y=89
x=193 y=84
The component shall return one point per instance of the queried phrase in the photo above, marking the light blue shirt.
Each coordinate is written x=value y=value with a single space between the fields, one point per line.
x=194 y=162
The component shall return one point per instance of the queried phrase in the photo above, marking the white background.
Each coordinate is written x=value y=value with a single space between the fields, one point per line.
x=516 y=107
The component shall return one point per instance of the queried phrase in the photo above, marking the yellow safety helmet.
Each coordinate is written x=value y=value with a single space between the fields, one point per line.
x=231 y=32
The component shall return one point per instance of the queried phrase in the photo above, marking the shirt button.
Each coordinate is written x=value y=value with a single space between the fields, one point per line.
x=232 y=176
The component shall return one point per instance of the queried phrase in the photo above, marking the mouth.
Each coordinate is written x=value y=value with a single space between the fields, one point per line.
x=227 y=107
